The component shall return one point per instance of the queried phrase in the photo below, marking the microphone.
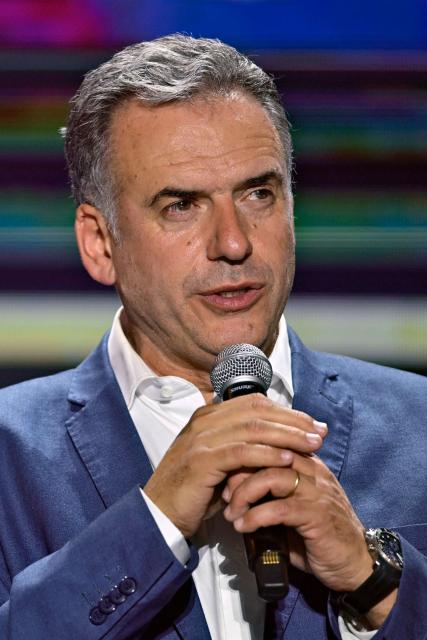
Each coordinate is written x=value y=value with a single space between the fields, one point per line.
x=241 y=369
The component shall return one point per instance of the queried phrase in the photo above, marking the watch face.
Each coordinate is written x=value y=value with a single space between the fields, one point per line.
x=389 y=548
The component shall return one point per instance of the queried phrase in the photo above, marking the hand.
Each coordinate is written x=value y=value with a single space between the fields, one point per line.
x=248 y=432
x=325 y=536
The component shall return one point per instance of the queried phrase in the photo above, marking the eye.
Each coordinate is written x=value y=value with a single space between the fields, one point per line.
x=180 y=206
x=260 y=194
x=258 y=200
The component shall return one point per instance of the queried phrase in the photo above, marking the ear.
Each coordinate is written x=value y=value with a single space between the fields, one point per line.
x=95 y=243
x=290 y=208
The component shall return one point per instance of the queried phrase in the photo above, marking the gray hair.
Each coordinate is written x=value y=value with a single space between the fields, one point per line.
x=172 y=68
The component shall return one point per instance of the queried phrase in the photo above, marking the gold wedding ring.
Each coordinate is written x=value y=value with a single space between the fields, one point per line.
x=296 y=483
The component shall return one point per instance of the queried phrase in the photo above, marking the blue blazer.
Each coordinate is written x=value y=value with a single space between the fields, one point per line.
x=74 y=528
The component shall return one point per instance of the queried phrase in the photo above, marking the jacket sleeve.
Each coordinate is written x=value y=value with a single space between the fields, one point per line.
x=408 y=618
x=108 y=582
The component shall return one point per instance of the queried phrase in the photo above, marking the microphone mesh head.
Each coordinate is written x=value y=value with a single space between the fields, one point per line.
x=240 y=360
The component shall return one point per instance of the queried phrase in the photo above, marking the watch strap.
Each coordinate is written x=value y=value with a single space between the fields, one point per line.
x=383 y=580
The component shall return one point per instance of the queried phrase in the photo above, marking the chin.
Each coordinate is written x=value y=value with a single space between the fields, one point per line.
x=249 y=335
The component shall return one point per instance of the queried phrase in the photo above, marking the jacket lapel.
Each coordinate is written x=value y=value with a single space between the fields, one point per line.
x=102 y=430
x=107 y=441
x=320 y=392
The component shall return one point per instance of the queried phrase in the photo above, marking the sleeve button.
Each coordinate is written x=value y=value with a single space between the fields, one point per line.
x=96 y=616
x=127 y=586
x=105 y=605
x=116 y=596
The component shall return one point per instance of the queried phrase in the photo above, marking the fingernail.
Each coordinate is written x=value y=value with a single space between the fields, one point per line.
x=286 y=456
x=238 y=524
x=321 y=427
x=226 y=494
x=313 y=438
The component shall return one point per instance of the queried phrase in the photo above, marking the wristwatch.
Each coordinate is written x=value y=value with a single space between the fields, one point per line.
x=385 y=549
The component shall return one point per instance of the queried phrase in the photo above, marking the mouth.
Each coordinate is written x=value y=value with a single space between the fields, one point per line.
x=233 y=297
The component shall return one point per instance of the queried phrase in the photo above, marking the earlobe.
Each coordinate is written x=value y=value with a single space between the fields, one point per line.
x=94 y=241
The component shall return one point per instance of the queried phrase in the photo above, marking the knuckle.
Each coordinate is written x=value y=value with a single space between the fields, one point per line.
x=268 y=479
x=233 y=483
x=255 y=426
x=303 y=416
x=272 y=474
x=281 y=508
x=200 y=456
x=258 y=401
x=239 y=451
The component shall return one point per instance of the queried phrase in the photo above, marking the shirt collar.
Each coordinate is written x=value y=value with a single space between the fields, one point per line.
x=280 y=360
x=129 y=368
x=131 y=371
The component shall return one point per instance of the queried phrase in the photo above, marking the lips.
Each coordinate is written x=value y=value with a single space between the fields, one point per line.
x=233 y=297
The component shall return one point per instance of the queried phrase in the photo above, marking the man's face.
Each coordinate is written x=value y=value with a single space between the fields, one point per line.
x=206 y=251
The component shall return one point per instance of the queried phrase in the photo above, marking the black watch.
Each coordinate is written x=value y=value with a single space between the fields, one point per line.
x=384 y=546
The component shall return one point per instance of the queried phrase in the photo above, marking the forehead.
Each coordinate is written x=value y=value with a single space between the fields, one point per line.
x=193 y=139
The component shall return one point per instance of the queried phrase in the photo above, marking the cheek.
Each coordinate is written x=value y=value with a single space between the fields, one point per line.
x=159 y=269
x=278 y=244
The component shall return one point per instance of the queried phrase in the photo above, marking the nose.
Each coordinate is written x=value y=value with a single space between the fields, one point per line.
x=229 y=238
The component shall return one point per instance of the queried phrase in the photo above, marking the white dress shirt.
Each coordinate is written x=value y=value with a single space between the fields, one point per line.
x=160 y=406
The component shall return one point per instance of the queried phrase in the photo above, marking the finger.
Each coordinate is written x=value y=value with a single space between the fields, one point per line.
x=304 y=464
x=314 y=519
x=251 y=487
x=314 y=502
x=309 y=464
x=263 y=515
x=280 y=483
x=311 y=478
x=280 y=434
x=312 y=466
x=238 y=455
x=257 y=430
x=290 y=512
x=233 y=481
x=243 y=409
x=274 y=412
x=258 y=421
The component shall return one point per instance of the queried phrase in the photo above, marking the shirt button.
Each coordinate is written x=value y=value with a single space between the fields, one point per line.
x=96 y=616
x=166 y=392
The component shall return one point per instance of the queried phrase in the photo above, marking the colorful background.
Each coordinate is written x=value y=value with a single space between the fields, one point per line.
x=354 y=82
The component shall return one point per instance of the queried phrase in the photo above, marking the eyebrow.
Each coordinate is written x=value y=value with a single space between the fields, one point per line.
x=174 y=192
x=256 y=181
x=191 y=194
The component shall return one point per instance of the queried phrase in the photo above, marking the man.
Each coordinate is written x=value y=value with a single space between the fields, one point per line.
x=125 y=485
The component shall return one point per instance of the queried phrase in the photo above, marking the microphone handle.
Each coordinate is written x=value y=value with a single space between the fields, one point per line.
x=268 y=556
x=267 y=548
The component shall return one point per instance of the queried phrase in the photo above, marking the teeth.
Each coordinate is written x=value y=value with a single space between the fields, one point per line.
x=232 y=294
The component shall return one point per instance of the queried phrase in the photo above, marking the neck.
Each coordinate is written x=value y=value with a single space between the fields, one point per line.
x=164 y=364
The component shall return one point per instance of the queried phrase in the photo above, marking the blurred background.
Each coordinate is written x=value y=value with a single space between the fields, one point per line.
x=353 y=77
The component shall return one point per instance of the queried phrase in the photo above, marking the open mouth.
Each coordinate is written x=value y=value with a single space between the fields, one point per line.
x=233 y=294
x=229 y=298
